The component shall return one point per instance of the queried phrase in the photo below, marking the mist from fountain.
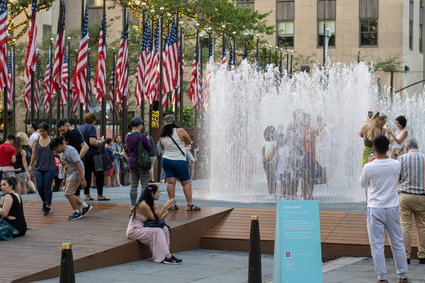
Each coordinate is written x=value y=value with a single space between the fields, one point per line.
x=243 y=102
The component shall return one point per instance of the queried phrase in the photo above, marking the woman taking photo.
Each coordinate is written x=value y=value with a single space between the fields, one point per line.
x=12 y=209
x=174 y=141
x=399 y=138
x=372 y=128
x=158 y=239
x=45 y=167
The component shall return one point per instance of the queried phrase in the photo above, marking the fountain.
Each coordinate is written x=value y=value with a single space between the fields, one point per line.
x=243 y=102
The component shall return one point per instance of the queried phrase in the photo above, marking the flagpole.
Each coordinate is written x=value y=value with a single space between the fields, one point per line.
x=49 y=115
x=58 y=89
x=198 y=58
x=124 y=97
x=152 y=50
x=142 y=102
x=113 y=94
x=181 y=104
x=13 y=88
x=103 y=112
x=82 y=24
x=69 y=76
x=160 y=66
x=5 y=112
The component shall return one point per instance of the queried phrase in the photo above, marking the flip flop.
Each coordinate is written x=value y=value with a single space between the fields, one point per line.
x=104 y=199
x=88 y=199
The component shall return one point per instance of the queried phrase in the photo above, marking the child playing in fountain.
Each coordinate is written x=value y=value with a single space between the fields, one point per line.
x=269 y=159
x=282 y=168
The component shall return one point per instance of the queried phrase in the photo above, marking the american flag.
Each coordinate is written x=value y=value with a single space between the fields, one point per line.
x=64 y=81
x=4 y=37
x=37 y=87
x=31 y=57
x=208 y=75
x=223 y=52
x=170 y=63
x=100 y=77
x=10 y=79
x=80 y=74
x=89 y=88
x=59 y=50
x=152 y=72
x=48 y=82
x=111 y=88
x=195 y=79
x=141 y=71
x=74 y=99
x=231 y=63
x=122 y=65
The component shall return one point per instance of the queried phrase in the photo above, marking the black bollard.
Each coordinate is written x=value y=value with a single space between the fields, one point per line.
x=254 y=269
x=67 y=274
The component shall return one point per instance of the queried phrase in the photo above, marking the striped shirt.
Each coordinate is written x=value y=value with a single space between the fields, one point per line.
x=412 y=177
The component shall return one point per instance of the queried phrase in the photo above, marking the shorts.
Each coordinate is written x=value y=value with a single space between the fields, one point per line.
x=178 y=169
x=71 y=187
x=21 y=177
x=109 y=172
x=153 y=159
x=117 y=165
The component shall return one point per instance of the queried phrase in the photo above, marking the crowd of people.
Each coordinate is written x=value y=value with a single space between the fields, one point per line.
x=84 y=159
x=289 y=157
x=395 y=191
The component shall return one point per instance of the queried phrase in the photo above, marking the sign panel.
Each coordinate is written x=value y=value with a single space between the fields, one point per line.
x=297 y=251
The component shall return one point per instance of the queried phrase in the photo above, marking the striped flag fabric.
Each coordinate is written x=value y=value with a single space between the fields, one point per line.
x=31 y=56
x=100 y=77
x=122 y=65
x=208 y=75
x=59 y=50
x=152 y=72
x=89 y=86
x=111 y=89
x=195 y=79
x=145 y=50
x=37 y=87
x=4 y=37
x=223 y=52
x=80 y=74
x=64 y=81
x=48 y=82
x=231 y=63
x=170 y=63
x=10 y=79
x=74 y=99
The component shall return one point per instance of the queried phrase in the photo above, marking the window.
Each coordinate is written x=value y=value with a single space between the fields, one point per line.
x=245 y=4
x=285 y=12
x=369 y=11
x=95 y=3
x=285 y=34
x=47 y=31
x=326 y=16
x=411 y=24
x=421 y=25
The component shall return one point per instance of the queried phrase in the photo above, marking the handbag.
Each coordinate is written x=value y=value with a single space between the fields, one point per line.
x=395 y=154
x=319 y=174
x=155 y=224
x=7 y=231
x=98 y=163
x=185 y=155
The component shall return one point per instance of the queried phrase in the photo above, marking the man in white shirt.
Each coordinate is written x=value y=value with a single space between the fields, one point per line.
x=380 y=179
x=34 y=133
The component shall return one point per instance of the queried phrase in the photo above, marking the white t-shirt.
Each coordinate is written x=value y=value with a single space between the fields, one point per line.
x=380 y=177
x=33 y=138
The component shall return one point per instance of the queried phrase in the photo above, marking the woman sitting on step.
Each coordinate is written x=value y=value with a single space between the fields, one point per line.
x=11 y=209
x=147 y=213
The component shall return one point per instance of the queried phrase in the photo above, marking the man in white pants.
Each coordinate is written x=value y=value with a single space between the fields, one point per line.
x=380 y=179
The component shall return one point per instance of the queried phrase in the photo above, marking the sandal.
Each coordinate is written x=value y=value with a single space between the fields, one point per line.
x=104 y=199
x=174 y=207
x=89 y=199
x=193 y=207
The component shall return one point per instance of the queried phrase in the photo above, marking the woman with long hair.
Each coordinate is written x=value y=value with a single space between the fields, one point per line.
x=174 y=141
x=25 y=142
x=12 y=209
x=398 y=138
x=45 y=166
x=158 y=239
x=21 y=163
x=372 y=128
x=119 y=154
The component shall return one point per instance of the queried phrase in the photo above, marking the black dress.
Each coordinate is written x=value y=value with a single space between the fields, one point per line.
x=17 y=211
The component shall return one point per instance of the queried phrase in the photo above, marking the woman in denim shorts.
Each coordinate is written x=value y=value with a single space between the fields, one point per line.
x=174 y=141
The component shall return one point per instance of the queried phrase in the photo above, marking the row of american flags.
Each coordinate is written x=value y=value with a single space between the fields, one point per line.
x=150 y=70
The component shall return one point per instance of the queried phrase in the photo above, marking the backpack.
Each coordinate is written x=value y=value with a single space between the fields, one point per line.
x=143 y=158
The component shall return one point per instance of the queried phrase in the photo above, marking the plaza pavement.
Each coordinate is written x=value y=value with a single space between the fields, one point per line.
x=201 y=265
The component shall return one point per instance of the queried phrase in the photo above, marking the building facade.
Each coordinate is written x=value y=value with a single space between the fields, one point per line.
x=366 y=30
